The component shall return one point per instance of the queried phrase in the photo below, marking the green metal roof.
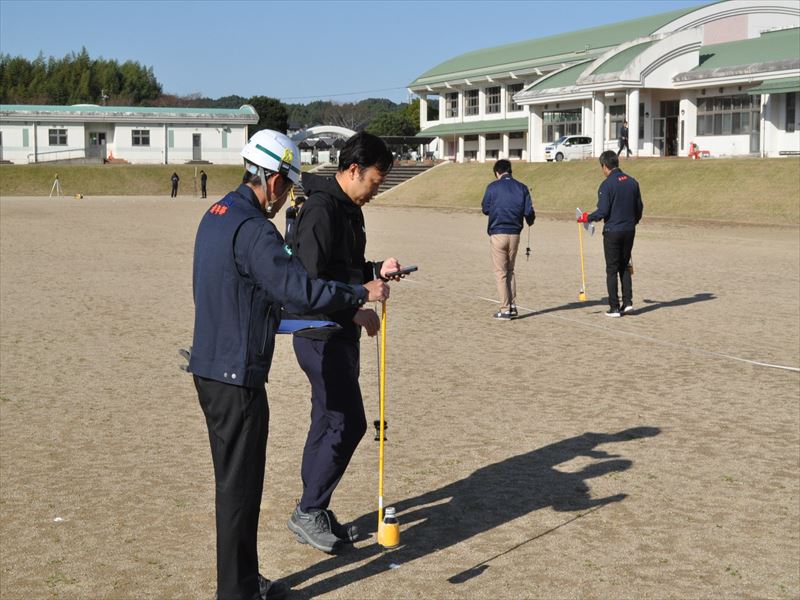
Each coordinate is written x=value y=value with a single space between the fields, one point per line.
x=567 y=77
x=777 y=86
x=529 y=53
x=619 y=61
x=94 y=108
x=491 y=126
x=771 y=46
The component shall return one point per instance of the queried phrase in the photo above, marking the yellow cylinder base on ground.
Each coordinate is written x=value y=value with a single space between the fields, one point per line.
x=389 y=535
x=581 y=297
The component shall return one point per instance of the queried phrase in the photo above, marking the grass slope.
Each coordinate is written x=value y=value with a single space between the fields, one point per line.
x=746 y=190
x=115 y=180
x=740 y=190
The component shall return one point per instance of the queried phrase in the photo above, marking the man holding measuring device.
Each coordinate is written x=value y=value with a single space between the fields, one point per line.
x=329 y=241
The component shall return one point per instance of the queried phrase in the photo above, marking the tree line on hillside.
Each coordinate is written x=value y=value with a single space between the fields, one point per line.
x=79 y=79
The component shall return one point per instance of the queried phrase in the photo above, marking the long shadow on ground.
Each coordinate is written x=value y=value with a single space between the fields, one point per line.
x=489 y=497
x=650 y=305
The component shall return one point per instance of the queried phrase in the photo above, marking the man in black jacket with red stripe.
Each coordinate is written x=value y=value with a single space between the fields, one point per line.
x=619 y=206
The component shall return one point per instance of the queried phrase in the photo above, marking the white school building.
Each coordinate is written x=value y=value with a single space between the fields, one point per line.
x=724 y=76
x=136 y=134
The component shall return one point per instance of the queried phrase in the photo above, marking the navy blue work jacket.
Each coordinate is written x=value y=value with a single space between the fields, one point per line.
x=242 y=277
x=507 y=202
x=619 y=203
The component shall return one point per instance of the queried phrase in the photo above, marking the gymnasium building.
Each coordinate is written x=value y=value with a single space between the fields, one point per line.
x=724 y=76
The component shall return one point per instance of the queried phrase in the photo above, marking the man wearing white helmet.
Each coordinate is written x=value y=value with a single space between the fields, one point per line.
x=242 y=278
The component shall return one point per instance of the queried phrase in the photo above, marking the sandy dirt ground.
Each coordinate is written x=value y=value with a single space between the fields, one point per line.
x=561 y=455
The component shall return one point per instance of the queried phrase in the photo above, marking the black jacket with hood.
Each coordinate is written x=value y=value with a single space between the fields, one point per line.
x=329 y=240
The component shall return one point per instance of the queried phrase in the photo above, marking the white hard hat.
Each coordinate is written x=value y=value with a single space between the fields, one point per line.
x=273 y=151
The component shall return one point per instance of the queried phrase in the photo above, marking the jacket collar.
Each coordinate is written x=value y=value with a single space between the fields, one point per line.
x=249 y=195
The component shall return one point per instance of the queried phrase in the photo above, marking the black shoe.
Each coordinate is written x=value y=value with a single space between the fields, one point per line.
x=347 y=533
x=314 y=529
x=272 y=590
x=613 y=312
x=503 y=316
x=513 y=311
x=627 y=308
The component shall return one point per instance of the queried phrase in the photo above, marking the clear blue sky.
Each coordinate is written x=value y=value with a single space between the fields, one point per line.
x=292 y=50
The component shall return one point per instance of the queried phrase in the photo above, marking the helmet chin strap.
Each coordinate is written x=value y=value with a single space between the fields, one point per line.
x=262 y=175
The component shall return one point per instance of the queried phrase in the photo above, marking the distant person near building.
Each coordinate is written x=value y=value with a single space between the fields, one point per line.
x=507 y=202
x=203 y=182
x=175 y=179
x=619 y=206
x=623 y=140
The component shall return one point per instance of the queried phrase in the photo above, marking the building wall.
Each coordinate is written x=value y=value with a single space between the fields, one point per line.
x=168 y=144
x=17 y=141
x=776 y=137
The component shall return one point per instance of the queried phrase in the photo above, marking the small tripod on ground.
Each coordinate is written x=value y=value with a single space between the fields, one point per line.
x=56 y=189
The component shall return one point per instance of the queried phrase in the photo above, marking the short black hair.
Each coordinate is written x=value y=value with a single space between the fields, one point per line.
x=610 y=160
x=502 y=166
x=366 y=150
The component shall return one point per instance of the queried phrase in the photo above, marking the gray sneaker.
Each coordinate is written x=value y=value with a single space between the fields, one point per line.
x=314 y=529
x=272 y=590
x=347 y=533
x=269 y=590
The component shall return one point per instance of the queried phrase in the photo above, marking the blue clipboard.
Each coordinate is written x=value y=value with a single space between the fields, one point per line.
x=298 y=325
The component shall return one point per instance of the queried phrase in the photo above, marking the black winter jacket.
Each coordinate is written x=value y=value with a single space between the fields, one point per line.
x=329 y=240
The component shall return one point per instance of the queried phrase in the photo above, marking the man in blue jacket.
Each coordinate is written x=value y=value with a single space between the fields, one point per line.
x=507 y=202
x=619 y=205
x=242 y=278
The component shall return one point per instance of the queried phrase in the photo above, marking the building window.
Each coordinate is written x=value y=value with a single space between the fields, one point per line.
x=471 y=138
x=433 y=107
x=451 y=104
x=728 y=115
x=510 y=91
x=790 y=114
x=492 y=136
x=57 y=137
x=558 y=123
x=617 y=118
x=516 y=135
x=493 y=100
x=471 y=101
x=140 y=137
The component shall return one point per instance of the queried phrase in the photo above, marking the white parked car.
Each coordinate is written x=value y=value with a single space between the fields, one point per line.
x=569 y=147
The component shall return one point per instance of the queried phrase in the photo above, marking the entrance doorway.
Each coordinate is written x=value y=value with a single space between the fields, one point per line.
x=97 y=144
x=196 y=153
x=669 y=112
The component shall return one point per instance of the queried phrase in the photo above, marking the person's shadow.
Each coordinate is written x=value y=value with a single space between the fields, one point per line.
x=651 y=305
x=489 y=497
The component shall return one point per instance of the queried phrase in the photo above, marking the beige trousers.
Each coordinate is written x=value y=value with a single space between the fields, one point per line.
x=504 y=254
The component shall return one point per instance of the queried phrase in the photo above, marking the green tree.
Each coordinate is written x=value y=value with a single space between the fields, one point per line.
x=272 y=114
x=393 y=123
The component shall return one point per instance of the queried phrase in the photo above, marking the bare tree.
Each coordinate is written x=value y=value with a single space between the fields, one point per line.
x=352 y=116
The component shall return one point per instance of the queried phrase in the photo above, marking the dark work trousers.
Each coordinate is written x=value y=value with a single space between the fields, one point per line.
x=623 y=143
x=617 y=246
x=337 y=415
x=174 y=192
x=238 y=421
